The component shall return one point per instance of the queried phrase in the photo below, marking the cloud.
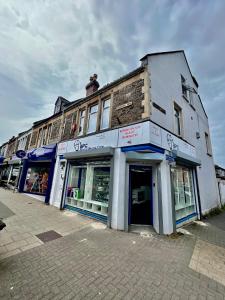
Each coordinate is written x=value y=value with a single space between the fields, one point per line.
x=50 y=48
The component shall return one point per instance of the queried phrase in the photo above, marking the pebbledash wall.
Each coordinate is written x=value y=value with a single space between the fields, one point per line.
x=142 y=144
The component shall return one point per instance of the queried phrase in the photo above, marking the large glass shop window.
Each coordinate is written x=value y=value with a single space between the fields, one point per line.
x=183 y=192
x=88 y=188
x=37 y=179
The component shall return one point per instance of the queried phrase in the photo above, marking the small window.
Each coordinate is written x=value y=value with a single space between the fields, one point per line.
x=105 y=114
x=92 y=118
x=177 y=119
x=184 y=88
x=81 y=122
x=208 y=144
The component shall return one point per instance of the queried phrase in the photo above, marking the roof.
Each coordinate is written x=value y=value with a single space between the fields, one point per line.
x=107 y=86
x=219 y=167
x=172 y=52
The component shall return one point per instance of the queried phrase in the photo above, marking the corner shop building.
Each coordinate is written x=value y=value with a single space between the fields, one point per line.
x=139 y=174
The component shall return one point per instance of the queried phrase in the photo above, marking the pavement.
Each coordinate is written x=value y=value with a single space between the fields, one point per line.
x=93 y=262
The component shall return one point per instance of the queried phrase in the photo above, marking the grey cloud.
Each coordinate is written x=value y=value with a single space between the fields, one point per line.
x=50 y=48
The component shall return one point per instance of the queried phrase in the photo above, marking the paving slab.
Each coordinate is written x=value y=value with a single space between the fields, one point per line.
x=26 y=217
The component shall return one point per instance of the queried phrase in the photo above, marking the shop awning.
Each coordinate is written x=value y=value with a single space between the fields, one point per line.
x=44 y=152
x=143 y=148
x=186 y=159
x=137 y=156
x=104 y=151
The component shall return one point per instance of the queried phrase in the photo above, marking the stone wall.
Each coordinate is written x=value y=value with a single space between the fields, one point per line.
x=127 y=104
x=70 y=119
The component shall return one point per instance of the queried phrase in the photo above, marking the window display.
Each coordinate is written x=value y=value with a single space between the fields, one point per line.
x=183 y=191
x=37 y=179
x=88 y=187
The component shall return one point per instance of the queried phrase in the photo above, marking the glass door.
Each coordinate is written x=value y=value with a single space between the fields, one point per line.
x=140 y=195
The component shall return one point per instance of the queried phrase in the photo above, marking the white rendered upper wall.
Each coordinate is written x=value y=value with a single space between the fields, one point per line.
x=165 y=72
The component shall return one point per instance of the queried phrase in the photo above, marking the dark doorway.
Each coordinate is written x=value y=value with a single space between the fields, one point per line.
x=140 y=195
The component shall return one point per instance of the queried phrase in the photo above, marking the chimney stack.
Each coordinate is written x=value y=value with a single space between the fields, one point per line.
x=92 y=86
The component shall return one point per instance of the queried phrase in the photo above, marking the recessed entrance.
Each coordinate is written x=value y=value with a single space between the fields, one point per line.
x=140 y=195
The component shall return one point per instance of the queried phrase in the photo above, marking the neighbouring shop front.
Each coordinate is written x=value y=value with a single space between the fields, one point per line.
x=15 y=171
x=4 y=171
x=37 y=172
x=126 y=177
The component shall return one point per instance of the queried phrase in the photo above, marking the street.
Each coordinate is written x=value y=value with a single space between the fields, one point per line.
x=86 y=260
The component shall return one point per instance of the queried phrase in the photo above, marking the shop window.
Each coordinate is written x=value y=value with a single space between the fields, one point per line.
x=183 y=192
x=81 y=122
x=177 y=120
x=105 y=114
x=88 y=187
x=76 y=183
x=92 y=118
x=37 y=179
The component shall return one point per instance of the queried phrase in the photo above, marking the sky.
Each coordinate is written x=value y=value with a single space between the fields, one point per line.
x=50 y=48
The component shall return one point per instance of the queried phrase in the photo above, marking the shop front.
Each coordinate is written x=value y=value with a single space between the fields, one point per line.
x=37 y=172
x=135 y=175
x=15 y=171
x=87 y=190
x=4 y=172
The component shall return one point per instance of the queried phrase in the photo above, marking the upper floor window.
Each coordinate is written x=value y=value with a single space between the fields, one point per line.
x=105 y=114
x=208 y=144
x=49 y=132
x=40 y=137
x=44 y=139
x=184 y=87
x=177 y=120
x=81 y=122
x=92 y=118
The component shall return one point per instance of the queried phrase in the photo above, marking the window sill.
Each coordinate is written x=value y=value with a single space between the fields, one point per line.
x=192 y=107
x=185 y=98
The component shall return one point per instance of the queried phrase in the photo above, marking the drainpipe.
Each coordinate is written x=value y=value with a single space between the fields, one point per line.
x=198 y=194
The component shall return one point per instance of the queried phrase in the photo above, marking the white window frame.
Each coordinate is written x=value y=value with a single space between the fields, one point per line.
x=178 y=109
x=92 y=114
x=104 y=109
x=81 y=122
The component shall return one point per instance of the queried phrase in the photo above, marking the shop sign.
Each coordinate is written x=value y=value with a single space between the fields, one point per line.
x=101 y=140
x=20 y=154
x=134 y=135
x=172 y=143
x=62 y=148
x=168 y=141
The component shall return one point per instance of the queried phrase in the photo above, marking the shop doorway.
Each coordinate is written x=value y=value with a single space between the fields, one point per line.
x=140 y=195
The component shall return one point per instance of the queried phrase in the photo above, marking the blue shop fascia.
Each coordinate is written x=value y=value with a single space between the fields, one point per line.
x=37 y=173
